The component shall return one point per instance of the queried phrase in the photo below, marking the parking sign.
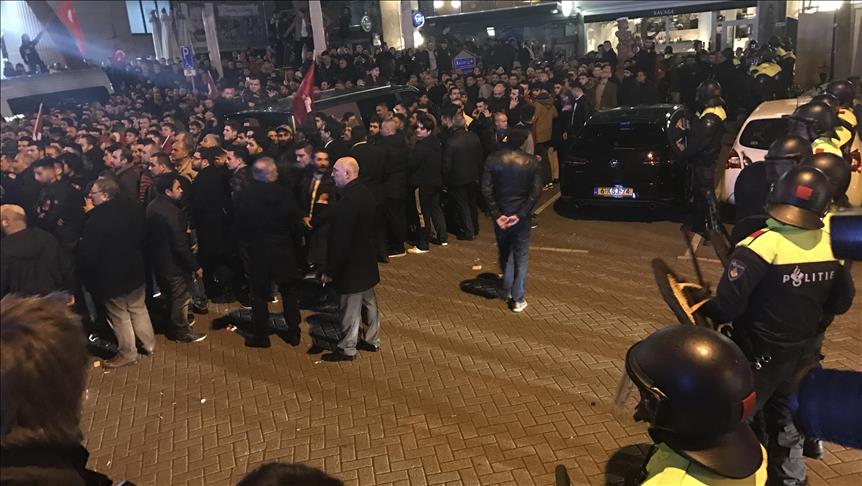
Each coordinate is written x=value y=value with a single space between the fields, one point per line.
x=188 y=57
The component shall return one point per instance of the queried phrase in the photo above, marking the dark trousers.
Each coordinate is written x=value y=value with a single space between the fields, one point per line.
x=261 y=291
x=429 y=213
x=396 y=224
x=466 y=211
x=380 y=230
x=541 y=149
x=703 y=189
x=774 y=384
x=177 y=291
x=217 y=275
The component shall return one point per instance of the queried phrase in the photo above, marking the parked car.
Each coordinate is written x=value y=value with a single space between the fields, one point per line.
x=626 y=156
x=359 y=101
x=765 y=124
x=24 y=94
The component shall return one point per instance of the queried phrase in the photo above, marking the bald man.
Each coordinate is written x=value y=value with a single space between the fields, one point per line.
x=31 y=262
x=351 y=263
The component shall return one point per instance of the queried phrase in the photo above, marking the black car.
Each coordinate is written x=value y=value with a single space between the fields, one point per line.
x=335 y=102
x=626 y=156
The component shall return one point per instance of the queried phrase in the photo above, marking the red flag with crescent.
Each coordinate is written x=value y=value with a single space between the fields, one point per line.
x=69 y=17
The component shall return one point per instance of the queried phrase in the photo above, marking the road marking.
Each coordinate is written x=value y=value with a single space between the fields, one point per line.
x=558 y=250
x=547 y=203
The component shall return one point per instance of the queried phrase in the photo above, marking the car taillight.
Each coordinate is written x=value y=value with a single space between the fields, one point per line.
x=733 y=160
x=856 y=164
x=651 y=159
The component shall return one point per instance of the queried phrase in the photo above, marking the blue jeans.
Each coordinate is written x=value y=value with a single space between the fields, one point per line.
x=512 y=249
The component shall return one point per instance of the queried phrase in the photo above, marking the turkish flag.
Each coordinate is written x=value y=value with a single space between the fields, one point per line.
x=69 y=17
x=305 y=89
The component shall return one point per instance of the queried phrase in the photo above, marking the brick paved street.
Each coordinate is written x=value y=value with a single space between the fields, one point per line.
x=462 y=392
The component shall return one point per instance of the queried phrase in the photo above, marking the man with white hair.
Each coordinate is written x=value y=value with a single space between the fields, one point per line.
x=351 y=262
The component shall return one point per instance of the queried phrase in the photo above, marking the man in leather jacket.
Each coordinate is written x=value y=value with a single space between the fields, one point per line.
x=511 y=186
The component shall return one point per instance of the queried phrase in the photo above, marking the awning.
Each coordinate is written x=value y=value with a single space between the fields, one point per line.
x=611 y=10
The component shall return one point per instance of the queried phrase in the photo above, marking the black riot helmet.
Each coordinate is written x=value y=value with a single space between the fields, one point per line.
x=837 y=170
x=707 y=90
x=819 y=116
x=828 y=99
x=789 y=147
x=696 y=391
x=785 y=153
x=766 y=54
x=843 y=90
x=800 y=198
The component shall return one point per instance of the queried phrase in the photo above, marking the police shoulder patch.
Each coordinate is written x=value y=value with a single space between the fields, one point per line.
x=735 y=269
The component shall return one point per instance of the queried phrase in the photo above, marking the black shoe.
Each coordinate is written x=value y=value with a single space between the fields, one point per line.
x=332 y=357
x=315 y=349
x=191 y=337
x=363 y=346
x=812 y=448
x=191 y=318
x=397 y=253
x=257 y=342
x=384 y=259
x=291 y=337
x=200 y=310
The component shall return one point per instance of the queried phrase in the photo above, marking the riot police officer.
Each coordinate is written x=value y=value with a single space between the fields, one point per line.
x=844 y=91
x=696 y=391
x=752 y=187
x=779 y=283
x=703 y=142
x=815 y=121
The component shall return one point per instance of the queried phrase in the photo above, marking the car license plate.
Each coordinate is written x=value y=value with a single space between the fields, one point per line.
x=618 y=192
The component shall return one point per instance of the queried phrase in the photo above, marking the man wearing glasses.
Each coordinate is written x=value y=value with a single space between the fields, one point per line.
x=425 y=176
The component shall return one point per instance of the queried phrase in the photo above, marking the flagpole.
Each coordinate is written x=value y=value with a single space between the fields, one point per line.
x=37 y=130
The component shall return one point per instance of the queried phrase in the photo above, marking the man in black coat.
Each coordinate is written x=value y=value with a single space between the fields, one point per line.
x=317 y=198
x=462 y=157
x=395 y=187
x=32 y=261
x=111 y=262
x=59 y=208
x=269 y=224
x=582 y=110
x=426 y=177
x=122 y=171
x=211 y=205
x=372 y=172
x=170 y=254
x=330 y=137
x=352 y=264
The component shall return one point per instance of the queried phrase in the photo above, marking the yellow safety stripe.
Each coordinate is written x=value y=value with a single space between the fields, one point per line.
x=827 y=145
x=770 y=69
x=843 y=136
x=847 y=115
x=788 y=245
x=715 y=110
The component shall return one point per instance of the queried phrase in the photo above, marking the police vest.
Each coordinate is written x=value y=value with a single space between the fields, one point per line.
x=768 y=68
x=846 y=126
x=826 y=145
x=668 y=468
x=787 y=304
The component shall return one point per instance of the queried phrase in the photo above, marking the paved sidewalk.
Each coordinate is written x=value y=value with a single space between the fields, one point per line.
x=463 y=391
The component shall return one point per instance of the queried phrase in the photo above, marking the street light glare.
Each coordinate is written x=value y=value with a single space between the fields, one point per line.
x=438 y=3
x=455 y=4
x=827 y=5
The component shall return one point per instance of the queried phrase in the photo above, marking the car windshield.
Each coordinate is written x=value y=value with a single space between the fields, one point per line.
x=759 y=134
x=623 y=136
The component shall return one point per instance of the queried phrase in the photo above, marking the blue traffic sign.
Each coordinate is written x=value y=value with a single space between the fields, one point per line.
x=188 y=57
x=418 y=19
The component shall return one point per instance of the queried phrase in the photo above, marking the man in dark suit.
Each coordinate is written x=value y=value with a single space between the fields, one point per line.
x=269 y=225
x=462 y=157
x=211 y=205
x=330 y=136
x=582 y=110
x=372 y=169
x=317 y=200
x=395 y=187
x=351 y=263
x=171 y=256
x=111 y=262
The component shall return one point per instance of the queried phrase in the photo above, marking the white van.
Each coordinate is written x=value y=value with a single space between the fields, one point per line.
x=767 y=123
x=23 y=94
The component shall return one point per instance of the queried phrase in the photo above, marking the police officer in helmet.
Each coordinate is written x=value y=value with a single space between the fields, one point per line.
x=845 y=132
x=778 y=285
x=752 y=187
x=703 y=142
x=815 y=121
x=696 y=392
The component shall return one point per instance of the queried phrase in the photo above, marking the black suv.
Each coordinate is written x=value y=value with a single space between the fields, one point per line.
x=359 y=101
x=626 y=156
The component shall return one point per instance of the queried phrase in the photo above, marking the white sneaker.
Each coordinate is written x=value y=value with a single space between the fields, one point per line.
x=519 y=306
x=416 y=250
